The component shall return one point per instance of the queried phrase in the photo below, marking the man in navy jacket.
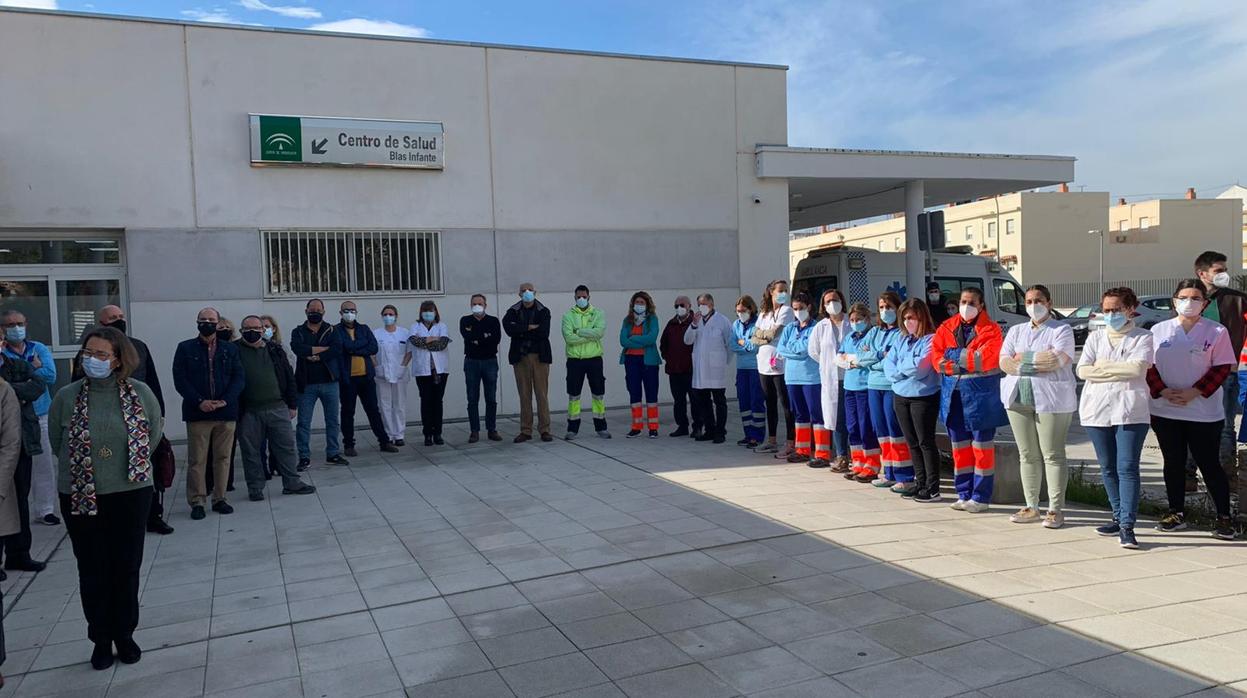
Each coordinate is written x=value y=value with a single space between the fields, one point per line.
x=317 y=347
x=356 y=377
x=208 y=374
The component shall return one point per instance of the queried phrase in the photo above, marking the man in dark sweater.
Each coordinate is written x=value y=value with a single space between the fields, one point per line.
x=208 y=376
x=481 y=335
x=318 y=351
x=678 y=359
x=357 y=379
x=527 y=323
x=269 y=401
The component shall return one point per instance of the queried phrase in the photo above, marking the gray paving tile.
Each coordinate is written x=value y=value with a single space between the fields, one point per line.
x=418 y=638
x=246 y=621
x=252 y=669
x=468 y=580
x=558 y=587
x=1052 y=683
x=756 y=670
x=404 y=592
x=717 y=640
x=825 y=687
x=680 y=615
x=861 y=609
x=487 y=684
x=819 y=587
x=574 y=608
x=526 y=647
x=482 y=600
x=915 y=634
x=1129 y=675
x=605 y=630
x=335 y=654
x=335 y=628
x=901 y=678
x=352 y=679
x=980 y=664
x=839 y=652
x=692 y=681
x=635 y=657
x=257 y=642
x=550 y=676
x=750 y=602
x=790 y=624
x=409 y=614
x=166 y=635
x=441 y=663
x=776 y=570
x=164 y=661
x=505 y=621
x=1052 y=646
x=172 y=684
x=927 y=595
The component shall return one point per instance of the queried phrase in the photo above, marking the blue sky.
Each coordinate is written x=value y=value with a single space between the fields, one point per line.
x=1148 y=94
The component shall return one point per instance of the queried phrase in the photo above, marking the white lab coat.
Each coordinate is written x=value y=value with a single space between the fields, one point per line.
x=712 y=350
x=1055 y=391
x=1116 y=402
x=824 y=346
x=391 y=348
x=769 y=362
x=423 y=361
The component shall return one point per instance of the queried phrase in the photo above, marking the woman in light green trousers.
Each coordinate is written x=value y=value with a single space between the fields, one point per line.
x=1040 y=395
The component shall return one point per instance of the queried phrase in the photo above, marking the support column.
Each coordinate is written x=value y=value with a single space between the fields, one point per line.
x=915 y=258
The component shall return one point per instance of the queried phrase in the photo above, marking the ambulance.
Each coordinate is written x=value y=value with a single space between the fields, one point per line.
x=862 y=274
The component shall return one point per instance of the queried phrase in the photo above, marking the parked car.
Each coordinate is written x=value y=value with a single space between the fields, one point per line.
x=1078 y=319
x=1151 y=310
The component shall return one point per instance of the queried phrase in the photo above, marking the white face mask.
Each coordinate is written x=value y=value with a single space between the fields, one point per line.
x=348 y=315
x=834 y=308
x=934 y=297
x=681 y=311
x=968 y=312
x=704 y=310
x=639 y=308
x=1037 y=311
x=1187 y=307
x=744 y=317
x=802 y=315
x=1221 y=279
x=478 y=310
x=911 y=326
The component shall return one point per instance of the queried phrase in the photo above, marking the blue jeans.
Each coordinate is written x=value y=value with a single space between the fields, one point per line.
x=1118 y=449
x=476 y=372
x=330 y=403
x=840 y=437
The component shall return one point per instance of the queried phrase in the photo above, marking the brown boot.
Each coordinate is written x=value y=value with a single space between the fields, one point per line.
x=474 y=437
x=841 y=466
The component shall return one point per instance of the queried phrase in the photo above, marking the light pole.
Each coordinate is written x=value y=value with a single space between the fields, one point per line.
x=1101 y=234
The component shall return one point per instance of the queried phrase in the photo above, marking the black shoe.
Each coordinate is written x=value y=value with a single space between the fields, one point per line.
x=350 y=451
x=387 y=447
x=1111 y=528
x=474 y=437
x=399 y=442
x=337 y=460
x=702 y=436
x=428 y=441
x=521 y=438
x=1224 y=529
x=102 y=656
x=682 y=431
x=3 y=576
x=197 y=512
x=695 y=434
x=229 y=488
x=547 y=437
x=27 y=565
x=301 y=489
x=653 y=433
x=633 y=433
x=438 y=441
x=745 y=441
x=256 y=496
x=50 y=520
x=304 y=464
x=719 y=439
x=926 y=496
x=127 y=651
x=222 y=507
x=1127 y=540
x=818 y=463
x=159 y=526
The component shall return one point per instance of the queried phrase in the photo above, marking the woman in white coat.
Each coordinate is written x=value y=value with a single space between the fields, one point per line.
x=1040 y=398
x=429 y=364
x=392 y=375
x=710 y=335
x=824 y=345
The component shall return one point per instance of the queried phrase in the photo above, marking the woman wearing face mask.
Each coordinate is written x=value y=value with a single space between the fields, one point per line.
x=773 y=316
x=392 y=359
x=898 y=468
x=1040 y=395
x=272 y=331
x=1114 y=407
x=803 y=383
x=863 y=444
x=966 y=352
x=103 y=429
x=429 y=362
x=915 y=396
x=638 y=336
x=749 y=395
x=824 y=345
x=1193 y=356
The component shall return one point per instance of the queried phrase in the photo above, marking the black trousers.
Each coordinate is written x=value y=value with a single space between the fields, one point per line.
x=432 y=391
x=776 y=393
x=365 y=389
x=712 y=402
x=681 y=395
x=1202 y=440
x=17 y=546
x=578 y=371
x=109 y=550
x=917 y=416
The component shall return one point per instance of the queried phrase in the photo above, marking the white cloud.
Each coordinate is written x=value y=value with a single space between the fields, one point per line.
x=215 y=15
x=32 y=4
x=295 y=11
x=359 y=25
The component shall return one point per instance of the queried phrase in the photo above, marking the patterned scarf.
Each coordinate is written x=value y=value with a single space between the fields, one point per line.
x=138 y=447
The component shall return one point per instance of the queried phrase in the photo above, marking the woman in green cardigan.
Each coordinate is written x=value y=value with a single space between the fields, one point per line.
x=103 y=430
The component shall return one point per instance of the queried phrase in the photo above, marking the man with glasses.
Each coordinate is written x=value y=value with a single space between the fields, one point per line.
x=42 y=474
x=208 y=375
x=677 y=357
x=28 y=387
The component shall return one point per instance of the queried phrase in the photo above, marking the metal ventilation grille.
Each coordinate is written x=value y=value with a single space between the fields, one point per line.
x=329 y=262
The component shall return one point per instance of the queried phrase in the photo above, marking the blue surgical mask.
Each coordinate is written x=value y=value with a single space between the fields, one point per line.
x=528 y=296
x=428 y=316
x=782 y=298
x=888 y=315
x=268 y=332
x=639 y=308
x=389 y=319
x=858 y=325
x=16 y=334
x=1116 y=321
x=96 y=368
x=582 y=303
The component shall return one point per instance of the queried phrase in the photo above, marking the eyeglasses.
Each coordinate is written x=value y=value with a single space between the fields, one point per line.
x=13 y=324
x=101 y=355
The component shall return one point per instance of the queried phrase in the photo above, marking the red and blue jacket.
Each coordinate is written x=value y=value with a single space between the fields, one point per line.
x=967 y=357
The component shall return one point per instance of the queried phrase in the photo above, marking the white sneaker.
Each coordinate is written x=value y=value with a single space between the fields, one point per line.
x=570 y=436
x=1054 y=519
x=882 y=482
x=958 y=505
x=1025 y=515
x=974 y=507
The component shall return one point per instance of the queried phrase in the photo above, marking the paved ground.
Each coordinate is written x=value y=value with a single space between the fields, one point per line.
x=639 y=568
